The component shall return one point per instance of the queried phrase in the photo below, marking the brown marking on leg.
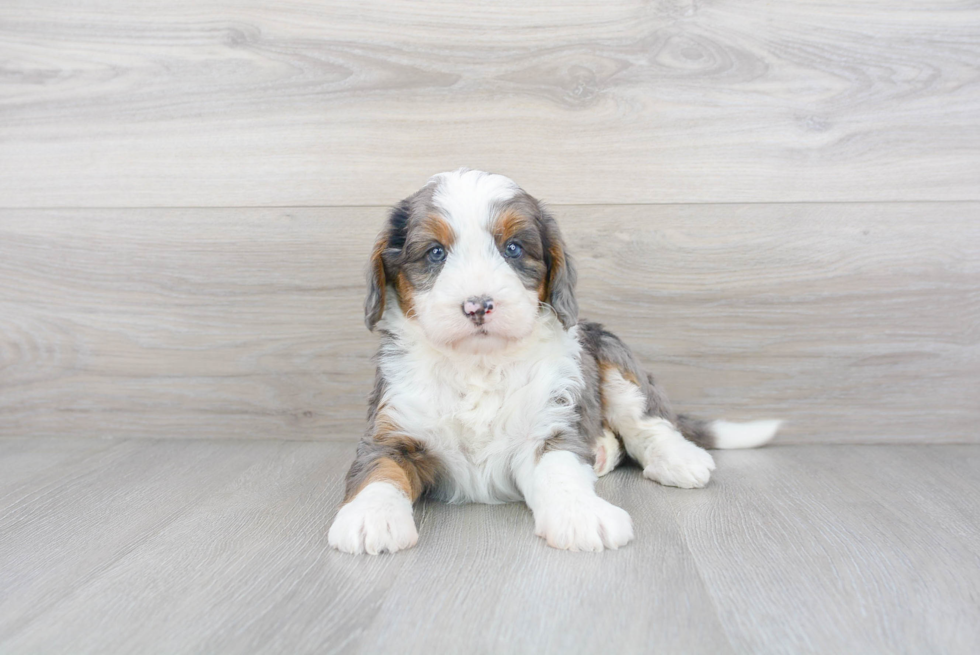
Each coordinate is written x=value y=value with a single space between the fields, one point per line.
x=603 y=377
x=606 y=368
x=389 y=455
x=386 y=470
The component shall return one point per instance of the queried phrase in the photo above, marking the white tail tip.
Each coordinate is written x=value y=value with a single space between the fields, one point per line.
x=752 y=434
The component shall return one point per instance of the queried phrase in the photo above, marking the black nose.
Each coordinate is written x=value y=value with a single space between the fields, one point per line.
x=477 y=307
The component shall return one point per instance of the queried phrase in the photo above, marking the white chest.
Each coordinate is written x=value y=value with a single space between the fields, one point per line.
x=481 y=414
x=479 y=408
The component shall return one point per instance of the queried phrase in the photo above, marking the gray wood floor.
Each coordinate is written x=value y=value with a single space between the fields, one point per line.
x=219 y=546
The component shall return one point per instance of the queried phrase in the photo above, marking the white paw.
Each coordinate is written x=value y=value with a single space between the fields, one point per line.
x=681 y=464
x=583 y=523
x=378 y=519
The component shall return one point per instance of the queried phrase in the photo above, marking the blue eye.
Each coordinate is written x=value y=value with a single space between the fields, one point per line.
x=513 y=250
x=436 y=254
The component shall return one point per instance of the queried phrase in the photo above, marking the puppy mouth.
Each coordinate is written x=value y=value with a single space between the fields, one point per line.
x=479 y=333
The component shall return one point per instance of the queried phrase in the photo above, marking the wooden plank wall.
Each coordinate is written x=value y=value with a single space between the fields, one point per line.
x=777 y=204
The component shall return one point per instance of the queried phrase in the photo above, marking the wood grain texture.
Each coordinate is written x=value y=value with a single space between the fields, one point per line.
x=490 y=586
x=807 y=546
x=855 y=323
x=252 y=103
x=869 y=549
x=26 y=459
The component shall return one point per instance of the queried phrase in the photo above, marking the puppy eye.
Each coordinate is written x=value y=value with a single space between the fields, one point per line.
x=436 y=254
x=513 y=249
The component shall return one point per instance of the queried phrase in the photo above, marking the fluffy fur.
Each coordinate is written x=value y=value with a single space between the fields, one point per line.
x=490 y=390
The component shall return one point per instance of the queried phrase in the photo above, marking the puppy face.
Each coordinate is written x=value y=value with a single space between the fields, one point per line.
x=472 y=258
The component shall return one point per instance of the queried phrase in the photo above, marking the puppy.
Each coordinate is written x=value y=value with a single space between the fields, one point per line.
x=490 y=390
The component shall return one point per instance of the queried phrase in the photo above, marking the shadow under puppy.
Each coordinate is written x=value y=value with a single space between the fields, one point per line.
x=490 y=390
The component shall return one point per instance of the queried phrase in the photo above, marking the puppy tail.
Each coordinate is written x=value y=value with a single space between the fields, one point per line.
x=726 y=435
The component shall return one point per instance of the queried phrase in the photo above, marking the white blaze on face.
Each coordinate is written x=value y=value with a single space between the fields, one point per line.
x=474 y=267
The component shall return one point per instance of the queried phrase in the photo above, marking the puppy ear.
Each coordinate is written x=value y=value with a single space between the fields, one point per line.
x=560 y=288
x=392 y=238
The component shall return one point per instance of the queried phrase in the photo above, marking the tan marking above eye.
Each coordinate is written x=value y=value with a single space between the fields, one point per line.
x=510 y=223
x=439 y=229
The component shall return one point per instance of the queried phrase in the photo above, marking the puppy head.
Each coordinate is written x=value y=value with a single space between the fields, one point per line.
x=472 y=258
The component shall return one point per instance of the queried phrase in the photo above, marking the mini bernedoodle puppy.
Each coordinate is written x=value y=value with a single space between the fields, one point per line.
x=490 y=390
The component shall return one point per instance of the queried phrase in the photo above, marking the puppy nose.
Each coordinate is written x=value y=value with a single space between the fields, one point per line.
x=477 y=307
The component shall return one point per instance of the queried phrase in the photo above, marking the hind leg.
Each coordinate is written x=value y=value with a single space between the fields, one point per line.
x=653 y=441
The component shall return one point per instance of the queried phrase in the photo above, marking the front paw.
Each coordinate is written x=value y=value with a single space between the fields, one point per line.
x=379 y=519
x=588 y=524
x=682 y=464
